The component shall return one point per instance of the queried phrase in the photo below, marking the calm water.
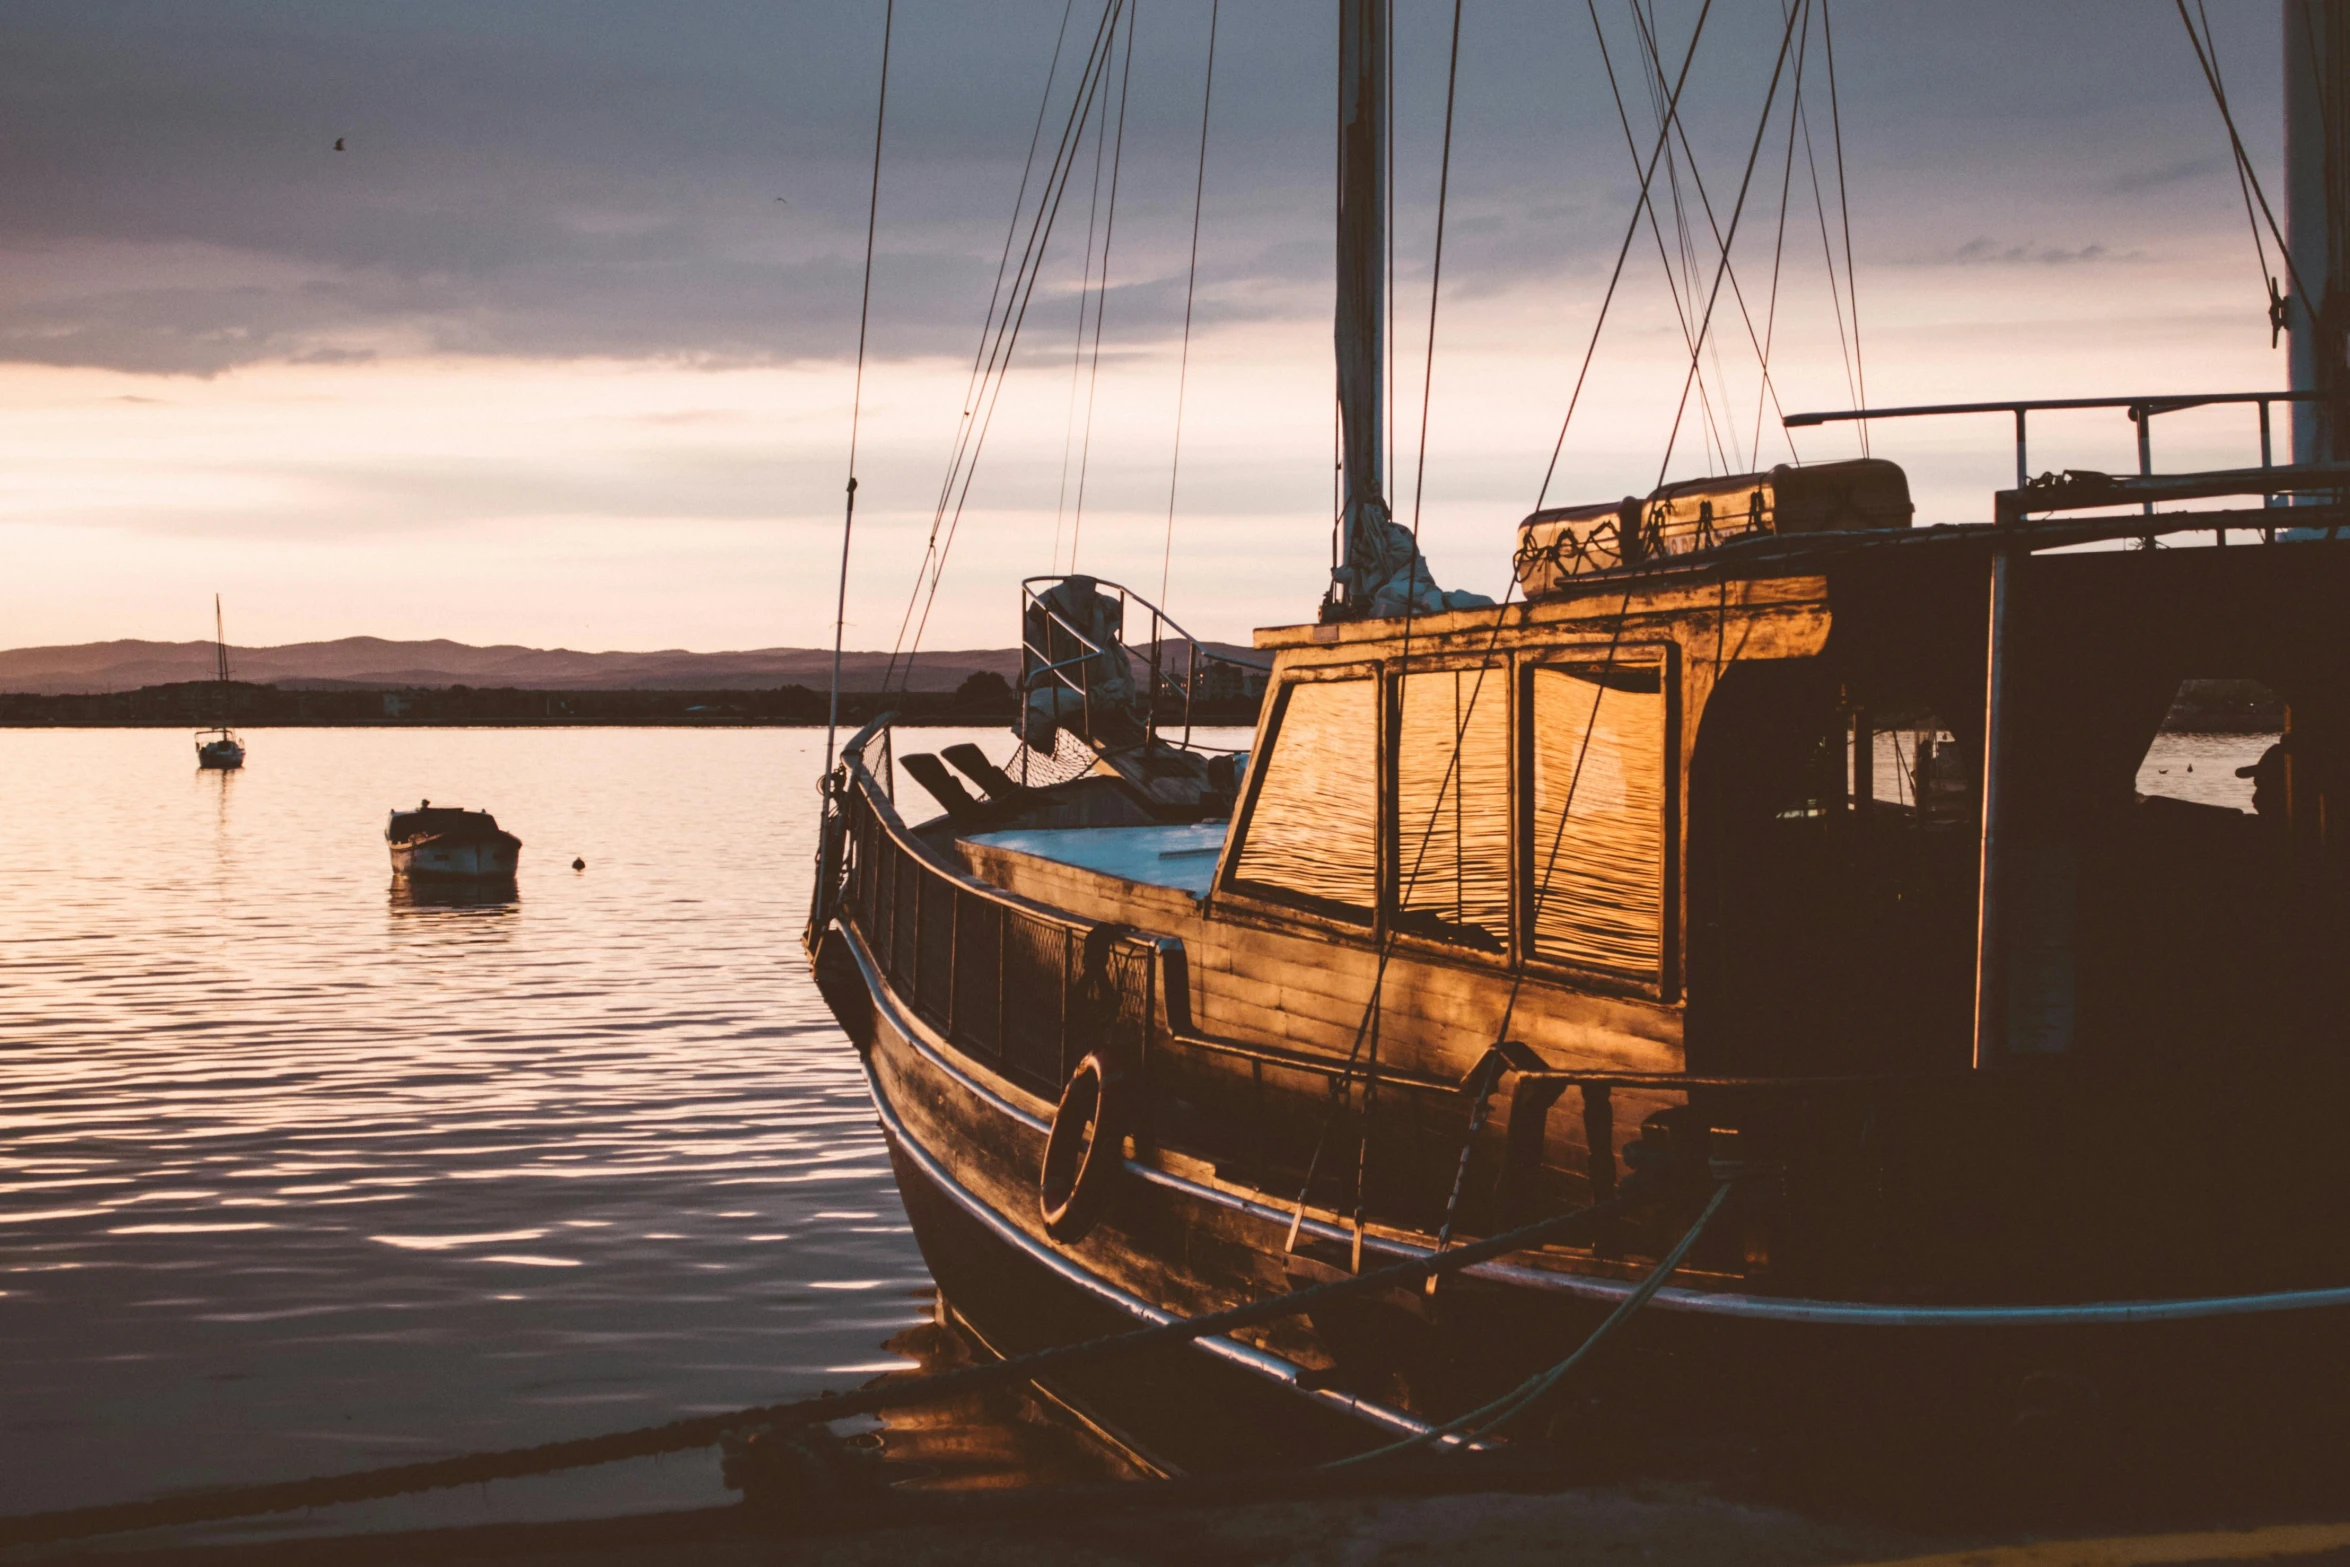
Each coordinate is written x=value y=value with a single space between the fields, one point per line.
x=297 y=1175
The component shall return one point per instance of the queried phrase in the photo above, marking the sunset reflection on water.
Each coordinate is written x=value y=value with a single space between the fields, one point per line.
x=304 y=1172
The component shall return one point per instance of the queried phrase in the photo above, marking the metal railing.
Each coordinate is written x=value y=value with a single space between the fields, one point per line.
x=2141 y=410
x=1096 y=662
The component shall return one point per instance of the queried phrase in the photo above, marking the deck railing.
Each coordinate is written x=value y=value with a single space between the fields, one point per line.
x=1018 y=989
x=1076 y=637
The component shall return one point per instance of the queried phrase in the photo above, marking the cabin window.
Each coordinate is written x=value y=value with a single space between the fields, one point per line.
x=2219 y=746
x=1452 y=801
x=1596 y=831
x=1313 y=834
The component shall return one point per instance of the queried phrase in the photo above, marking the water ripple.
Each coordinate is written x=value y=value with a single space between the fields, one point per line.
x=300 y=1174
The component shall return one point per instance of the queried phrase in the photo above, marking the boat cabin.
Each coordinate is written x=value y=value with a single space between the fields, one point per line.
x=1705 y=837
x=1755 y=798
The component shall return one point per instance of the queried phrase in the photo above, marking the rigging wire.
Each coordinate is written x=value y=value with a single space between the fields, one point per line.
x=1436 y=270
x=1085 y=293
x=1003 y=260
x=848 y=522
x=972 y=439
x=1652 y=81
x=1737 y=211
x=1199 y=186
x=1737 y=291
x=1844 y=208
x=1672 y=286
x=1632 y=228
x=1779 y=241
x=2244 y=169
x=2243 y=186
x=1101 y=298
x=999 y=308
x=1828 y=257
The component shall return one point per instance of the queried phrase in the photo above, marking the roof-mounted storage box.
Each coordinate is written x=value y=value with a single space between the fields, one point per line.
x=1565 y=542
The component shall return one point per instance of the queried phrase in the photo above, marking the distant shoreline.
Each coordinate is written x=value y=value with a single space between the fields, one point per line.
x=902 y=721
x=984 y=700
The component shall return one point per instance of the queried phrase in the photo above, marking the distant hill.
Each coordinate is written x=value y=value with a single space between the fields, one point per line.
x=373 y=663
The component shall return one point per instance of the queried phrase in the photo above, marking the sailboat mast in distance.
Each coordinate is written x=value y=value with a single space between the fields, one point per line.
x=223 y=751
x=1362 y=289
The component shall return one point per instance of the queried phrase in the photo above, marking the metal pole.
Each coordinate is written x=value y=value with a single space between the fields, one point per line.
x=2317 y=217
x=1362 y=283
x=1990 y=1040
x=2267 y=535
x=2144 y=414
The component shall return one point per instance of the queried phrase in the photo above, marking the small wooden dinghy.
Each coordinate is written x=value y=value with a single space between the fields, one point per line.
x=442 y=843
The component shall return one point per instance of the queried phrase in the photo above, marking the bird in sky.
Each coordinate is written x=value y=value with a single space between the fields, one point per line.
x=338 y=144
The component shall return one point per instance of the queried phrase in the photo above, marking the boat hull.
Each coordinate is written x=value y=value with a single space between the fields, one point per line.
x=472 y=860
x=221 y=756
x=2168 y=1389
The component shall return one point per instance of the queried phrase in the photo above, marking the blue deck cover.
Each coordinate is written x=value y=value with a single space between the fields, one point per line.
x=1180 y=857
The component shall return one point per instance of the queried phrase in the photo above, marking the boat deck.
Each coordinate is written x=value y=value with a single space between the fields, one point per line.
x=1182 y=858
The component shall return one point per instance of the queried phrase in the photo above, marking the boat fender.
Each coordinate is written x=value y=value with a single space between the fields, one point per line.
x=1086 y=1151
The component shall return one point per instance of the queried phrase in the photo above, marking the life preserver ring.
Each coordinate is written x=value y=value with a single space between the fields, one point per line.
x=1084 y=1152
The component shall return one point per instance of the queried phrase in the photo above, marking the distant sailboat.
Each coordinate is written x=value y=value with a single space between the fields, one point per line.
x=219 y=747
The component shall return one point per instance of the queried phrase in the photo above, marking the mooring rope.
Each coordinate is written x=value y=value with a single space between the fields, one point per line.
x=706 y=1430
x=1488 y=1418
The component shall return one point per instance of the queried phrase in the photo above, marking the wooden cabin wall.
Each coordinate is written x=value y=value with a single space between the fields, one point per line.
x=1268 y=975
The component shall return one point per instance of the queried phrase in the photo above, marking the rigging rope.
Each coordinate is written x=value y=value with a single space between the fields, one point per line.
x=1199 y=186
x=1769 y=388
x=1085 y=296
x=2244 y=169
x=1000 y=338
x=1844 y=207
x=1101 y=300
x=1779 y=251
x=1819 y=205
x=1482 y=1421
x=1436 y=270
x=2268 y=279
x=1632 y=228
x=857 y=394
x=1003 y=260
x=1737 y=211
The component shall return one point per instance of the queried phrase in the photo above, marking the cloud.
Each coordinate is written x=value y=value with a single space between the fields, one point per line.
x=2137 y=182
x=1984 y=251
x=537 y=180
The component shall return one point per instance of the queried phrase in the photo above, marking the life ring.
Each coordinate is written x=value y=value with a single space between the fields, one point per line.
x=1084 y=1152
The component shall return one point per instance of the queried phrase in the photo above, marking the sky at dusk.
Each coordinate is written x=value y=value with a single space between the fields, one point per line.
x=542 y=357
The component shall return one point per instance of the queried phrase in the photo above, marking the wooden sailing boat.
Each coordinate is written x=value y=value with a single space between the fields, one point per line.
x=1771 y=841
x=219 y=747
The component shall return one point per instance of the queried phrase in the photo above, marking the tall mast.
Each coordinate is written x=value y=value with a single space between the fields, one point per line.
x=220 y=655
x=2317 y=222
x=1362 y=283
